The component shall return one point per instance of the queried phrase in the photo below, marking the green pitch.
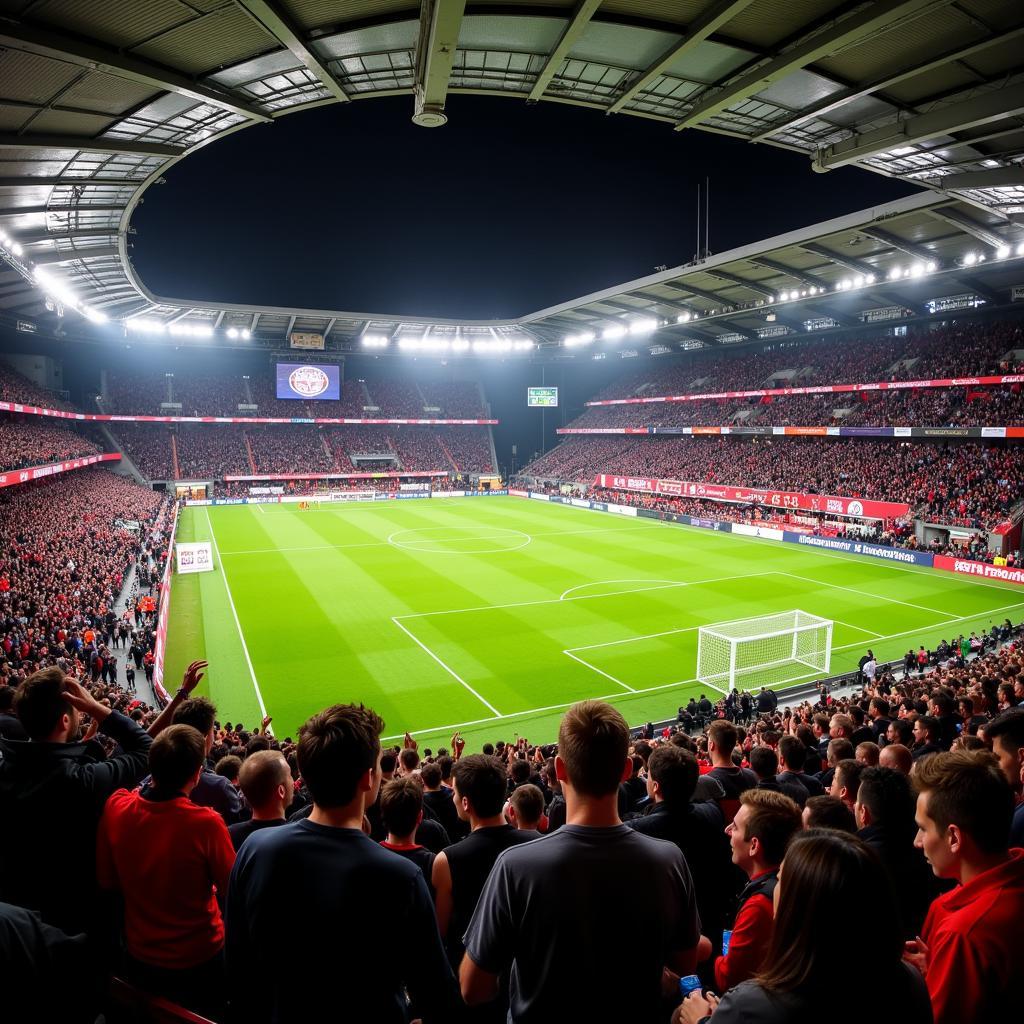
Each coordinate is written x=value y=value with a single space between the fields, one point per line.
x=494 y=614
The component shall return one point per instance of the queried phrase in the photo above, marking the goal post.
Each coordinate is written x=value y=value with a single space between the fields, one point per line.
x=766 y=650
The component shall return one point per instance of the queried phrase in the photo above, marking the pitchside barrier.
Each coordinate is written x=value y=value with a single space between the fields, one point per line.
x=902 y=556
x=341 y=496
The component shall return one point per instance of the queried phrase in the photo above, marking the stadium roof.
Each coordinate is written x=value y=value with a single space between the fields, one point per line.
x=99 y=97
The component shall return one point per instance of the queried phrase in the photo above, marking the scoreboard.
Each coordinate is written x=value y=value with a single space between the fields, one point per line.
x=544 y=398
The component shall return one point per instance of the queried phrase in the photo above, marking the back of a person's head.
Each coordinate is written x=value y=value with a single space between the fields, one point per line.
x=829 y=812
x=675 y=770
x=519 y=771
x=839 y=750
x=199 y=712
x=401 y=803
x=723 y=734
x=337 y=747
x=849 y=772
x=260 y=776
x=881 y=705
x=41 y=703
x=764 y=762
x=255 y=744
x=792 y=753
x=430 y=775
x=176 y=755
x=843 y=723
x=409 y=760
x=228 y=767
x=481 y=779
x=967 y=789
x=824 y=870
x=446 y=764
x=897 y=756
x=7 y=699
x=528 y=802
x=388 y=762
x=773 y=819
x=592 y=742
x=867 y=752
x=805 y=734
x=888 y=797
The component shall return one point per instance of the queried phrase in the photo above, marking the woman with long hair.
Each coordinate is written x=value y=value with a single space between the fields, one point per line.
x=834 y=921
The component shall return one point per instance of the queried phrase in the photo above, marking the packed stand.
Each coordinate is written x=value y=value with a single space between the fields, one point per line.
x=137 y=392
x=282 y=449
x=14 y=387
x=208 y=394
x=149 y=448
x=419 y=448
x=469 y=448
x=456 y=399
x=396 y=398
x=214 y=451
x=31 y=441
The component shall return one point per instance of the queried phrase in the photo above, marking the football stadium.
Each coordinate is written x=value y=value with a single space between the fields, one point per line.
x=538 y=567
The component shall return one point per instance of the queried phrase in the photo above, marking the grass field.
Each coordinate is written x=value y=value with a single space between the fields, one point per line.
x=494 y=614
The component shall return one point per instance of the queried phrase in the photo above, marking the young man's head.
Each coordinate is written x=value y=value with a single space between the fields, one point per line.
x=840 y=727
x=593 y=741
x=44 y=710
x=339 y=756
x=526 y=807
x=1006 y=733
x=408 y=761
x=762 y=829
x=964 y=810
x=867 y=753
x=828 y=812
x=200 y=713
x=792 y=754
x=838 y=750
x=900 y=731
x=672 y=774
x=764 y=762
x=926 y=730
x=176 y=759
x=721 y=741
x=845 y=780
x=878 y=707
x=228 y=768
x=266 y=781
x=479 y=783
x=401 y=807
x=430 y=776
x=885 y=800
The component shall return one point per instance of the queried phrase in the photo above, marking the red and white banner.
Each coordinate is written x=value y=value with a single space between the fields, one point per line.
x=826 y=389
x=23 y=476
x=989 y=572
x=94 y=417
x=334 y=476
x=855 y=508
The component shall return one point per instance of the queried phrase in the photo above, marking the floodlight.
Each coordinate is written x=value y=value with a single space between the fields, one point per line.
x=613 y=333
x=646 y=326
x=232 y=332
x=1002 y=252
x=683 y=318
x=95 y=315
x=1020 y=249
x=858 y=281
x=970 y=259
x=16 y=249
x=917 y=270
x=246 y=333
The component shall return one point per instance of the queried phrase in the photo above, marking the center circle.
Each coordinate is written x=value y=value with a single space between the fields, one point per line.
x=460 y=540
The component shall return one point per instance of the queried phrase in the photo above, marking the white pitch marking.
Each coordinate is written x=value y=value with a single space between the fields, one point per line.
x=600 y=672
x=234 y=612
x=450 y=671
x=865 y=593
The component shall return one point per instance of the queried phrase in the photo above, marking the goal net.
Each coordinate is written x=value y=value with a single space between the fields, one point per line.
x=767 y=650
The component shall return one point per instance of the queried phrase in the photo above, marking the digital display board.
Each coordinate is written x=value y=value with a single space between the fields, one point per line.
x=308 y=381
x=545 y=398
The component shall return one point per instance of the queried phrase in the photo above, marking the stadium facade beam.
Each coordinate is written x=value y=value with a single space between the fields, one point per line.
x=61 y=182
x=846 y=262
x=55 y=236
x=968 y=224
x=24 y=211
x=760 y=289
x=440 y=22
x=995 y=105
x=796 y=275
x=994 y=177
x=291 y=324
x=700 y=293
x=330 y=326
x=874 y=18
x=71 y=255
x=917 y=252
x=696 y=32
x=85 y=53
x=82 y=144
x=859 y=92
x=575 y=28
x=277 y=22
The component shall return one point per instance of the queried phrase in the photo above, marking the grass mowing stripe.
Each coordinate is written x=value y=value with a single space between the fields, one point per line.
x=231 y=604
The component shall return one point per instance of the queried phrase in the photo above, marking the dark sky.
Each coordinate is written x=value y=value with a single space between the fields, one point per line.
x=505 y=210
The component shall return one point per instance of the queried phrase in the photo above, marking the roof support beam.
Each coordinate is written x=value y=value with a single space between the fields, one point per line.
x=995 y=177
x=329 y=327
x=54 y=236
x=706 y=296
x=710 y=21
x=24 y=211
x=71 y=255
x=877 y=17
x=847 y=262
x=836 y=100
x=41 y=182
x=577 y=25
x=968 y=224
x=291 y=324
x=740 y=282
x=85 y=53
x=281 y=27
x=907 y=248
x=82 y=144
x=440 y=21
x=796 y=275
x=995 y=105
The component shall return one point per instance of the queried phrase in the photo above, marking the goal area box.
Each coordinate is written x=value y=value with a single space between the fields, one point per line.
x=767 y=650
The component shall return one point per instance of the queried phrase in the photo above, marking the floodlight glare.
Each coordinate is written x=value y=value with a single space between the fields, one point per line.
x=95 y=315
x=246 y=333
x=16 y=249
x=970 y=259
x=683 y=318
x=232 y=332
x=646 y=326
x=1002 y=252
x=917 y=270
x=613 y=333
x=1020 y=249
x=587 y=337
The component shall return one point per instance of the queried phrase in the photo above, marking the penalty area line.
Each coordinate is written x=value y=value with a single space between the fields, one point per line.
x=462 y=682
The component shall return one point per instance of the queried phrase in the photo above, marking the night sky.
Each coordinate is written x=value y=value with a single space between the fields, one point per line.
x=507 y=209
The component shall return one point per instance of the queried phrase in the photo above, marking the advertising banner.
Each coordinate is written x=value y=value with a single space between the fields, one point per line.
x=307 y=340
x=765 y=532
x=981 y=569
x=24 y=476
x=856 y=508
x=309 y=381
x=334 y=476
x=160 y=645
x=856 y=547
x=196 y=557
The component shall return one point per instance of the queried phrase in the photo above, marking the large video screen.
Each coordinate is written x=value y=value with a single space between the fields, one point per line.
x=308 y=381
x=542 y=397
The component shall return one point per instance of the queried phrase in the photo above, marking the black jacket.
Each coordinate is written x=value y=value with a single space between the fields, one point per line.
x=913 y=881
x=51 y=799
